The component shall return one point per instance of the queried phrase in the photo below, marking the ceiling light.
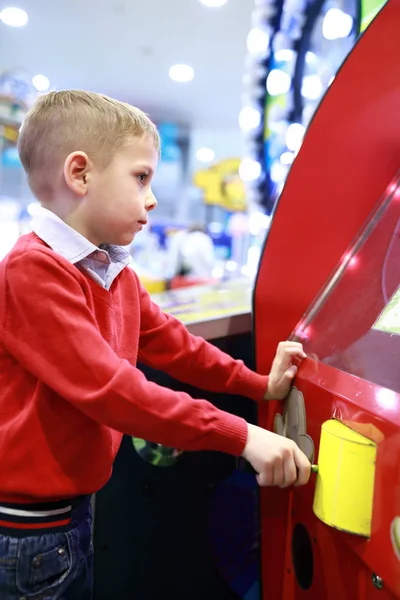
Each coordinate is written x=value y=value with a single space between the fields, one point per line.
x=278 y=82
x=311 y=87
x=294 y=136
x=287 y=158
x=249 y=118
x=41 y=83
x=311 y=58
x=336 y=24
x=258 y=221
x=278 y=171
x=181 y=73
x=249 y=169
x=205 y=155
x=257 y=41
x=213 y=3
x=284 y=55
x=15 y=17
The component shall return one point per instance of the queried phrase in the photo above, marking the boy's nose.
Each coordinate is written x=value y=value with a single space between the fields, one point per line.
x=151 y=202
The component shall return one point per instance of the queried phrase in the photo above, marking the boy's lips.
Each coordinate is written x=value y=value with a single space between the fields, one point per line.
x=140 y=225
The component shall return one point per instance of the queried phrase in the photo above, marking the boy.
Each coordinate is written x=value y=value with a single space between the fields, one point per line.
x=73 y=323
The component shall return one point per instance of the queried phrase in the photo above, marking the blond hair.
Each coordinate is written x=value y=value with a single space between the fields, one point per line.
x=74 y=120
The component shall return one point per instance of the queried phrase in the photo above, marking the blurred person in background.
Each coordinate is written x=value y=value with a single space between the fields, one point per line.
x=191 y=253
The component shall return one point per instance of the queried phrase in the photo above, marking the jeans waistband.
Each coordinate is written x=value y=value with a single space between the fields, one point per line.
x=42 y=517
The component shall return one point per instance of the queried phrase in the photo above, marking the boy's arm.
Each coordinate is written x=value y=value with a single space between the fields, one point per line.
x=166 y=344
x=46 y=325
x=48 y=328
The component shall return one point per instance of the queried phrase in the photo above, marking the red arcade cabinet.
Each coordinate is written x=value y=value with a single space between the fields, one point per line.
x=330 y=277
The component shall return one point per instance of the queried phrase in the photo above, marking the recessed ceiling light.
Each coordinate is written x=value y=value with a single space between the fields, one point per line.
x=205 y=155
x=181 y=73
x=15 y=17
x=41 y=83
x=213 y=3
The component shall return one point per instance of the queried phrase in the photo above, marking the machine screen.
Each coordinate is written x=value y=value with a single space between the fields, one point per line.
x=354 y=325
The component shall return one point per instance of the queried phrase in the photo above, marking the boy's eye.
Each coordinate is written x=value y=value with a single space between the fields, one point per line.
x=142 y=177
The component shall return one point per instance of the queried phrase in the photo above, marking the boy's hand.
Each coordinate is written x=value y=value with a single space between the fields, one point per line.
x=277 y=460
x=284 y=368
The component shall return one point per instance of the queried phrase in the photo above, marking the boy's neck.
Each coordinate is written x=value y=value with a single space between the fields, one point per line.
x=70 y=214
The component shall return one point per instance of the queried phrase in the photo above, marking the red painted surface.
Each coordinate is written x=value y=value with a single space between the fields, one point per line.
x=342 y=561
x=349 y=157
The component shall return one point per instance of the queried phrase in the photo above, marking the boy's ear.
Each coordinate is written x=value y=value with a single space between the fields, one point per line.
x=76 y=168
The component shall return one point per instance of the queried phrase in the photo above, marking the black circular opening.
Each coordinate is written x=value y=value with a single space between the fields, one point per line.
x=302 y=556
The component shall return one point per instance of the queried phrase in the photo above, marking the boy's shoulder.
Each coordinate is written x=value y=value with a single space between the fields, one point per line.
x=25 y=243
x=24 y=247
x=18 y=269
x=28 y=251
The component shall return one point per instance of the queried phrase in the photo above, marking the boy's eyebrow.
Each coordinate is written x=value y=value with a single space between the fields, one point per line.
x=144 y=167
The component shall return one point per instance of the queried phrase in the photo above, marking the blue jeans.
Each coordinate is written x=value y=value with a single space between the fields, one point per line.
x=56 y=565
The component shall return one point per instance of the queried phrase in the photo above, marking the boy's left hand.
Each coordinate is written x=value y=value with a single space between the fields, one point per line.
x=284 y=368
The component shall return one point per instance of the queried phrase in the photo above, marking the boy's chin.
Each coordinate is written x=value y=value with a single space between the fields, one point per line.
x=124 y=240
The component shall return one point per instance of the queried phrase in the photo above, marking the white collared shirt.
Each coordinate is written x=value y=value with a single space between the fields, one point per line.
x=103 y=264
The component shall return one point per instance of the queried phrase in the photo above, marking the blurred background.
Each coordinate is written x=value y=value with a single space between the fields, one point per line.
x=231 y=84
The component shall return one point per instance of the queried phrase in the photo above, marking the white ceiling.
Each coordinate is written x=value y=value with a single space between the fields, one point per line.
x=125 y=47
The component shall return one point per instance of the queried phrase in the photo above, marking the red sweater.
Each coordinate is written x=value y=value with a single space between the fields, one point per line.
x=69 y=385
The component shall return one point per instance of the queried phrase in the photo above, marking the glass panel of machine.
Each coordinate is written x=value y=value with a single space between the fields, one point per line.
x=354 y=325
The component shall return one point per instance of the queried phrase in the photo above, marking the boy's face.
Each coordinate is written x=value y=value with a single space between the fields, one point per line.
x=119 y=197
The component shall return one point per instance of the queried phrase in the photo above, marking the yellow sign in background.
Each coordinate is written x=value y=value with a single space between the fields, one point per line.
x=222 y=185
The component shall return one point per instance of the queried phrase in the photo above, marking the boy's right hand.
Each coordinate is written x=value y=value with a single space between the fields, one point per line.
x=277 y=460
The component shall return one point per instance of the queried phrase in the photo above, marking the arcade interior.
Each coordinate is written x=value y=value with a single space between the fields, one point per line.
x=278 y=218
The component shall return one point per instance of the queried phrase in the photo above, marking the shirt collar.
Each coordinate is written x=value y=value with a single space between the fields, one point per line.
x=70 y=244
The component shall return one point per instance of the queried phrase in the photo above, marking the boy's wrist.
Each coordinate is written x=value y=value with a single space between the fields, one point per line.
x=270 y=392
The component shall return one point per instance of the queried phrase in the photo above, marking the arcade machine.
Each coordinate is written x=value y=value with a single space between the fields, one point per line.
x=330 y=277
